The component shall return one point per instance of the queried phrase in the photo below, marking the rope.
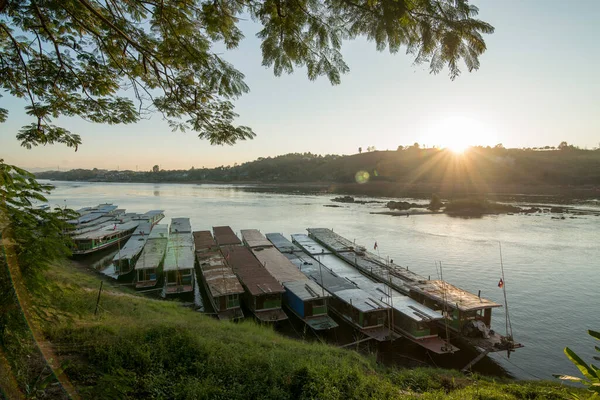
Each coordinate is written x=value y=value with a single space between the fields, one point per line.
x=507 y=314
x=522 y=369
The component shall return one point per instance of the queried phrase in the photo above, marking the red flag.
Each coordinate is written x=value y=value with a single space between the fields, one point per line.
x=375 y=246
x=501 y=283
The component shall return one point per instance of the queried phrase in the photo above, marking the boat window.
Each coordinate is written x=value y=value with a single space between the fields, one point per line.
x=232 y=300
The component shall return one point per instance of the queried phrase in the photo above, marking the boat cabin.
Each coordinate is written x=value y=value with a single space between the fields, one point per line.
x=103 y=237
x=149 y=264
x=262 y=292
x=179 y=264
x=461 y=307
x=222 y=285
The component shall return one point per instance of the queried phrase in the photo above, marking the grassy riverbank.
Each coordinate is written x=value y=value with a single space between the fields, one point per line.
x=138 y=347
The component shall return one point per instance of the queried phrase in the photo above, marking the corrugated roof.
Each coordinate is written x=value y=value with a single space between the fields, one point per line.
x=181 y=225
x=414 y=309
x=365 y=259
x=152 y=213
x=85 y=219
x=153 y=253
x=99 y=223
x=282 y=244
x=180 y=252
x=363 y=263
x=224 y=236
x=131 y=249
x=278 y=265
x=333 y=240
x=218 y=276
x=309 y=245
x=107 y=231
x=253 y=276
x=310 y=267
x=181 y=240
x=456 y=297
x=159 y=231
x=360 y=299
x=143 y=229
x=253 y=238
x=306 y=289
x=203 y=240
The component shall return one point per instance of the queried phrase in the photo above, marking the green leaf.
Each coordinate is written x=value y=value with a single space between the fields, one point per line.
x=594 y=334
x=585 y=369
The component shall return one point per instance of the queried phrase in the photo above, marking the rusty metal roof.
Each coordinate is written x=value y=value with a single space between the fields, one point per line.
x=456 y=297
x=253 y=276
x=224 y=236
x=204 y=241
x=218 y=276
x=253 y=238
x=278 y=265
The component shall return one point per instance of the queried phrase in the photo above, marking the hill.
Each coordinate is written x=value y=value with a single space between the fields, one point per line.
x=138 y=347
x=393 y=173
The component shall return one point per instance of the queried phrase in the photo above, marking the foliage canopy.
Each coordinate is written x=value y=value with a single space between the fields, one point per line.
x=31 y=236
x=82 y=57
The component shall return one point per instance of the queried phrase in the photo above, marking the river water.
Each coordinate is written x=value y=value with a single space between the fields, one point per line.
x=552 y=267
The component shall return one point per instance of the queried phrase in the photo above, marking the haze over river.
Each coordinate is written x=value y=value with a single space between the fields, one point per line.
x=552 y=266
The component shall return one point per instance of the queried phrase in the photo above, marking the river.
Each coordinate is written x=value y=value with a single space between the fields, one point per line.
x=552 y=266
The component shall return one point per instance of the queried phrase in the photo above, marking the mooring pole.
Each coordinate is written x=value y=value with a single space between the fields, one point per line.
x=98 y=300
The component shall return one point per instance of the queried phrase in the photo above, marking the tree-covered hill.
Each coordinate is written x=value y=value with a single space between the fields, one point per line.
x=478 y=167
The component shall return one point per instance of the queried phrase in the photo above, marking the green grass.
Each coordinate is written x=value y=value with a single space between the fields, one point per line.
x=143 y=348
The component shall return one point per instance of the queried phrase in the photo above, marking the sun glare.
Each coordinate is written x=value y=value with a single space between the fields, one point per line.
x=458 y=133
x=457 y=148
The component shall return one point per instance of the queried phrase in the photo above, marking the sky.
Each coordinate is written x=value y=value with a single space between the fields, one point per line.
x=537 y=85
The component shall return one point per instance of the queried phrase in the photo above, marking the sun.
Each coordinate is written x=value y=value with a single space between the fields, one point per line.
x=458 y=148
x=458 y=133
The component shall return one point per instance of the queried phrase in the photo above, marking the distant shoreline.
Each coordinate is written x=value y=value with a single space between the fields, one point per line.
x=556 y=193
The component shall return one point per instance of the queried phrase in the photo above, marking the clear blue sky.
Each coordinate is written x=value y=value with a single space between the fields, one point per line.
x=538 y=85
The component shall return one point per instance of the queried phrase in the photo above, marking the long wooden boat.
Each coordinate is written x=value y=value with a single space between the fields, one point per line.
x=468 y=316
x=179 y=259
x=127 y=255
x=305 y=298
x=148 y=268
x=103 y=238
x=408 y=317
x=366 y=314
x=221 y=285
x=262 y=292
